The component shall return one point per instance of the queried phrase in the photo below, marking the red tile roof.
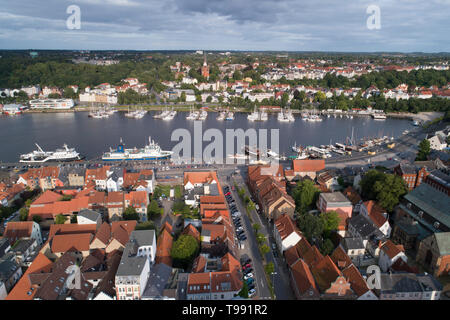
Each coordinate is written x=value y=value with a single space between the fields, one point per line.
x=72 y=228
x=199 y=264
x=191 y=231
x=375 y=213
x=303 y=277
x=308 y=165
x=202 y=177
x=325 y=273
x=163 y=248
x=47 y=197
x=22 y=290
x=357 y=282
x=285 y=226
x=71 y=242
x=16 y=230
x=391 y=249
x=340 y=258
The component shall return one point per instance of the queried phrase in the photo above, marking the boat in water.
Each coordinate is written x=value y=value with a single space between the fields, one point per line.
x=163 y=114
x=61 y=154
x=230 y=116
x=257 y=116
x=100 y=113
x=193 y=115
x=203 y=115
x=152 y=151
x=170 y=115
x=286 y=116
x=136 y=114
x=379 y=117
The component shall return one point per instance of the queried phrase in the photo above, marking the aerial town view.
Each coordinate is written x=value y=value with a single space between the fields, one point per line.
x=205 y=153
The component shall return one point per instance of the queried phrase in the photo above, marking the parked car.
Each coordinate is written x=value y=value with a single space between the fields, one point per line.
x=238 y=229
x=243 y=237
x=251 y=292
x=251 y=286
x=248 y=276
x=248 y=265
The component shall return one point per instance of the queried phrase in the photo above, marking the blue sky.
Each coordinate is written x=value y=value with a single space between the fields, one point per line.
x=294 y=25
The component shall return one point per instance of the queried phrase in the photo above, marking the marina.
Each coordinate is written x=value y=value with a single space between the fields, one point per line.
x=92 y=140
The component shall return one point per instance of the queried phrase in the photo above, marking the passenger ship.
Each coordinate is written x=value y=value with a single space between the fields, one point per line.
x=152 y=151
x=61 y=154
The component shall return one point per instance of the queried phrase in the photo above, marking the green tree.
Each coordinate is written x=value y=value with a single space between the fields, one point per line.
x=237 y=75
x=256 y=227
x=66 y=197
x=327 y=247
x=305 y=195
x=54 y=96
x=330 y=221
x=260 y=238
x=147 y=225
x=312 y=226
x=37 y=219
x=368 y=181
x=251 y=205
x=209 y=99
x=184 y=251
x=130 y=214
x=69 y=93
x=386 y=189
x=424 y=150
x=153 y=210
x=264 y=249
x=320 y=96
x=244 y=291
x=389 y=191
x=183 y=96
x=23 y=214
x=269 y=268
x=284 y=99
x=60 y=219
x=28 y=203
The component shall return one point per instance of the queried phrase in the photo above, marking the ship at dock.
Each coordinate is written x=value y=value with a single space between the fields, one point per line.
x=152 y=151
x=59 y=155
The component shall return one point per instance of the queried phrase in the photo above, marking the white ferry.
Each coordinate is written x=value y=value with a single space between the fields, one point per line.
x=152 y=151
x=61 y=154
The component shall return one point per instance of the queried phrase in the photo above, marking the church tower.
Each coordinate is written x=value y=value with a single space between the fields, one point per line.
x=205 y=69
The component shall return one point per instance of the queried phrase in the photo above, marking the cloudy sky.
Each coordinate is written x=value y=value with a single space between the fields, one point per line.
x=297 y=25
